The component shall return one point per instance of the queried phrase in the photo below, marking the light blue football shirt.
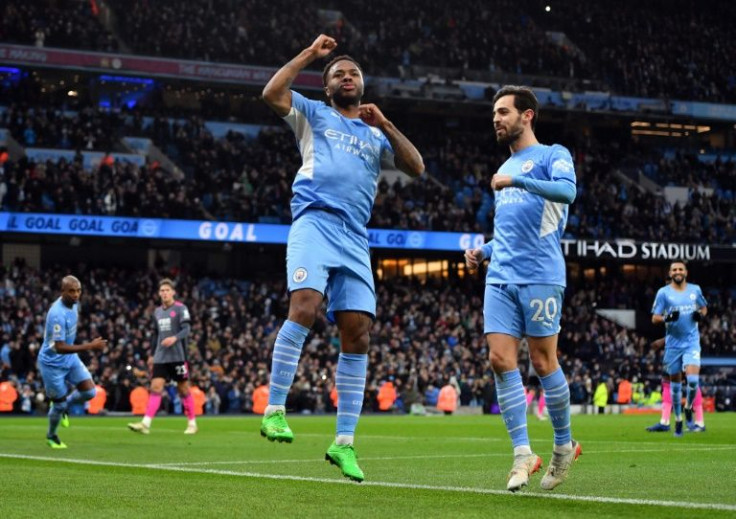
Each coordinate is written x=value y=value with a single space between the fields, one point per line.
x=527 y=227
x=341 y=161
x=61 y=325
x=684 y=332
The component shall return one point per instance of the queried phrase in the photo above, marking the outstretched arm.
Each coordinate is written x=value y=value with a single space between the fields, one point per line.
x=277 y=93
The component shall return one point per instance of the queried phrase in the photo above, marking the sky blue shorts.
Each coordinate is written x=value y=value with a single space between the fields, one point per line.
x=523 y=310
x=675 y=359
x=55 y=379
x=323 y=254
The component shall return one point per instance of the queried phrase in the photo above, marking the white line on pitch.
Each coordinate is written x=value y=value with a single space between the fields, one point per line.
x=425 y=456
x=167 y=430
x=386 y=484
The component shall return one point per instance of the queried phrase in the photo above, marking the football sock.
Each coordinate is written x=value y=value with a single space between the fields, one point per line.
x=692 y=389
x=286 y=352
x=154 y=402
x=666 y=403
x=540 y=404
x=512 y=402
x=557 y=393
x=55 y=413
x=676 y=392
x=77 y=397
x=698 y=408
x=350 y=382
x=188 y=403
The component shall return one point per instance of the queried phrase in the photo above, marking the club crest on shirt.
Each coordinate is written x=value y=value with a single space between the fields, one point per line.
x=692 y=297
x=527 y=166
x=300 y=275
x=375 y=131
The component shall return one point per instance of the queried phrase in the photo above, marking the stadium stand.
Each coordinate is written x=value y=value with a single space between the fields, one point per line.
x=424 y=334
x=627 y=51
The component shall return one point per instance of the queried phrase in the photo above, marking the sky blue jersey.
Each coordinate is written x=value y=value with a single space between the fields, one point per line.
x=682 y=333
x=61 y=325
x=341 y=161
x=527 y=226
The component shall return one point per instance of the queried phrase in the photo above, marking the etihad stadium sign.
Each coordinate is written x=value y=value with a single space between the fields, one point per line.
x=395 y=239
x=633 y=250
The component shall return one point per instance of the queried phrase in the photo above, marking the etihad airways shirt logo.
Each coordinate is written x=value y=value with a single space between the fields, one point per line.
x=510 y=195
x=352 y=144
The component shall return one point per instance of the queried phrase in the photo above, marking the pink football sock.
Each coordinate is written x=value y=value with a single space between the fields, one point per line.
x=698 y=406
x=188 y=403
x=666 y=403
x=154 y=401
x=540 y=404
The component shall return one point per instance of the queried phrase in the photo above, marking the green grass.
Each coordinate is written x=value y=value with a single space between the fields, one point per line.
x=415 y=467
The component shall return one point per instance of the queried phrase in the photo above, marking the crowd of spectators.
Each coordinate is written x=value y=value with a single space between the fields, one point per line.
x=625 y=47
x=425 y=335
x=55 y=23
x=42 y=126
x=606 y=209
x=628 y=48
x=249 y=179
x=637 y=52
x=685 y=170
x=387 y=37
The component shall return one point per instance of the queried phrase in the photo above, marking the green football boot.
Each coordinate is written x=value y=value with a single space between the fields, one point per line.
x=55 y=443
x=275 y=428
x=346 y=460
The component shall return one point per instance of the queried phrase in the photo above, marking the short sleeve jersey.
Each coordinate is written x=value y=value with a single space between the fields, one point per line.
x=61 y=325
x=341 y=161
x=169 y=322
x=684 y=332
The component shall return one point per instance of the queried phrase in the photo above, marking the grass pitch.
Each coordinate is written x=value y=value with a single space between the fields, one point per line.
x=424 y=467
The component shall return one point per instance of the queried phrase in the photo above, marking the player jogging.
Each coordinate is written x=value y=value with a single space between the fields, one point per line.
x=59 y=362
x=680 y=306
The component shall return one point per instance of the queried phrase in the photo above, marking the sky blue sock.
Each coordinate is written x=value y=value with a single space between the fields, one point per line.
x=58 y=409
x=692 y=389
x=286 y=352
x=78 y=397
x=512 y=401
x=350 y=382
x=676 y=392
x=557 y=393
